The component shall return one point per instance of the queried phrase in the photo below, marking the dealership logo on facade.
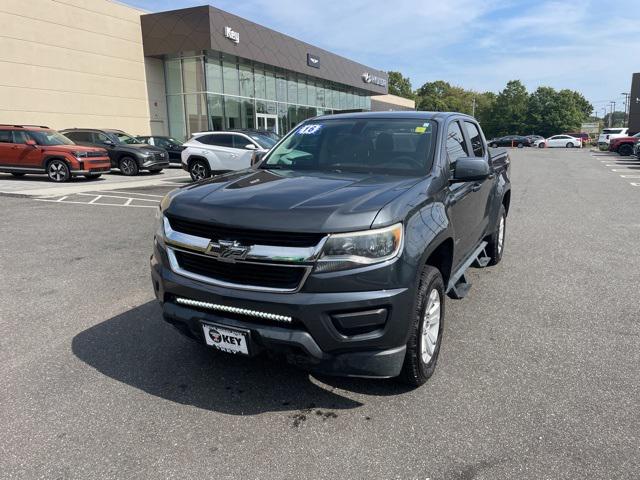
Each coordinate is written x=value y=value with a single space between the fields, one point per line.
x=313 y=61
x=374 y=79
x=231 y=34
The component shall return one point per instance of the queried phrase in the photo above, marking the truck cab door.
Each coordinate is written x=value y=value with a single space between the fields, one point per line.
x=467 y=201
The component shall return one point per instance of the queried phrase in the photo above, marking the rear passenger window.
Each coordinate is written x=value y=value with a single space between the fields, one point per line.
x=5 y=136
x=223 y=140
x=80 y=136
x=456 y=146
x=477 y=145
x=239 y=141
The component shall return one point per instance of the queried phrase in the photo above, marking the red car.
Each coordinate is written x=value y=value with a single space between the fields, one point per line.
x=624 y=145
x=32 y=149
x=586 y=139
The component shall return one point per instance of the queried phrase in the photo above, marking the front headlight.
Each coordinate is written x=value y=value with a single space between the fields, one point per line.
x=357 y=249
x=160 y=233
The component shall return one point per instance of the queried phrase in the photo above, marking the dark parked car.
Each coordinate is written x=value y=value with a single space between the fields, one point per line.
x=169 y=144
x=511 y=141
x=126 y=152
x=339 y=247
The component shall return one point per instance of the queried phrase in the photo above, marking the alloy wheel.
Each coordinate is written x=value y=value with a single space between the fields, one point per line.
x=198 y=171
x=430 y=327
x=58 y=171
x=127 y=166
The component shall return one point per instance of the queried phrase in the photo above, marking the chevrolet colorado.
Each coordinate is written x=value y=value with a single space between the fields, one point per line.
x=339 y=247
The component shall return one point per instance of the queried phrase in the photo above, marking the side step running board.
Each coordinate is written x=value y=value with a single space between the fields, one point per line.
x=459 y=286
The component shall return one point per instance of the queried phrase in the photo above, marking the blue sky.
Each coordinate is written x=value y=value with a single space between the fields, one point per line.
x=587 y=45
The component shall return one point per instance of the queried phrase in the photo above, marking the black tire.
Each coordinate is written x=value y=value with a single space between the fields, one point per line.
x=415 y=371
x=199 y=170
x=569 y=145
x=495 y=246
x=92 y=176
x=128 y=166
x=58 y=171
x=625 y=150
x=17 y=174
x=541 y=145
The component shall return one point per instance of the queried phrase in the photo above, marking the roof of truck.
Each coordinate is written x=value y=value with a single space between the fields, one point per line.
x=399 y=114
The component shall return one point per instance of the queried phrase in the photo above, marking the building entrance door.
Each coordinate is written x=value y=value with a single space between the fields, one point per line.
x=267 y=122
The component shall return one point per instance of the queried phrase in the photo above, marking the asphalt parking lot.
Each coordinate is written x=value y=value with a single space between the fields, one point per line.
x=538 y=375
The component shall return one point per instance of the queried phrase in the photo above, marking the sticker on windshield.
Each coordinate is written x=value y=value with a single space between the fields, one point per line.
x=423 y=128
x=311 y=129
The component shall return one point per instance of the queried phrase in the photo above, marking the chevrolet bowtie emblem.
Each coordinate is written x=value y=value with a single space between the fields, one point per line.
x=227 y=250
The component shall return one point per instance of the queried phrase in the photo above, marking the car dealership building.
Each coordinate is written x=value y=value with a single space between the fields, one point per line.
x=107 y=65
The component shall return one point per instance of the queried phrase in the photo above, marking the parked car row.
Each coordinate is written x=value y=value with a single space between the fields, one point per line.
x=565 y=140
x=625 y=145
x=90 y=152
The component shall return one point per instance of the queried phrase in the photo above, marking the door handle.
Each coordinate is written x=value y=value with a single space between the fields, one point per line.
x=476 y=187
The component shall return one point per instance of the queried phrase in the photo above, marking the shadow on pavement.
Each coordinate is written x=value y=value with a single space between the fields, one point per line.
x=138 y=348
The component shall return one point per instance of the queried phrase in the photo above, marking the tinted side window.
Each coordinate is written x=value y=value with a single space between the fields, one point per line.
x=80 y=136
x=161 y=142
x=476 y=139
x=5 y=136
x=20 y=137
x=240 y=141
x=100 y=137
x=456 y=146
x=219 y=140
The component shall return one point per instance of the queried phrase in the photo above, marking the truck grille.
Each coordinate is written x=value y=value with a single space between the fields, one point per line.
x=245 y=237
x=242 y=274
x=96 y=154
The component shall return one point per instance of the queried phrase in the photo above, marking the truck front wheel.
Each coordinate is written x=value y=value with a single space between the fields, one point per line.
x=427 y=325
x=495 y=247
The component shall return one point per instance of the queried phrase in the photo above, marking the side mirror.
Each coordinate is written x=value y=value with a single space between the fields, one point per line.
x=249 y=146
x=31 y=143
x=470 y=169
x=108 y=142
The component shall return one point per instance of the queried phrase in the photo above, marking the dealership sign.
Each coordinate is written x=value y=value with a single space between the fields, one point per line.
x=375 y=80
x=313 y=61
x=231 y=34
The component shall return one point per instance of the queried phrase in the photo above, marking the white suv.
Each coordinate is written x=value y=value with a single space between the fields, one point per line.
x=610 y=133
x=209 y=153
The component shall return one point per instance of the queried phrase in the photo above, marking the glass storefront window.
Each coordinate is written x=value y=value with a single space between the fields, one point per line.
x=342 y=100
x=175 y=112
x=214 y=74
x=230 y=75
x=292 y=88
x=302 y=92
x=246 y=80
x=173 y=75
x=192 y=75
x=320 y=101
x=292 y=117
x=271 y=83
x=248 y=114
x=232 y=111
x=311 y=92
x=282 y=119
x=216 y=112
x=258 y=75
x=196 y=113
x=281 y=86
x=335 y=98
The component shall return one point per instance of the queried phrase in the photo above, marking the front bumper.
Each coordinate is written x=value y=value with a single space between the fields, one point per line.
x=153 y=163
x=319 y=336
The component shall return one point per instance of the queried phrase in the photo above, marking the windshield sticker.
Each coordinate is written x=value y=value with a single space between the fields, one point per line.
x=311 y=129
x=421 y=129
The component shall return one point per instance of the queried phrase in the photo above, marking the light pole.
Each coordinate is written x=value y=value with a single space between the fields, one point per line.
x=612 y=104
x=626 y=101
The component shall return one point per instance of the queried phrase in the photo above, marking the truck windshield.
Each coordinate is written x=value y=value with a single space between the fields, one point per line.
x=396 y=146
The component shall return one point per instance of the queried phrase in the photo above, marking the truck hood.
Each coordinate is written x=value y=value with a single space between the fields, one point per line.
x=297 y=201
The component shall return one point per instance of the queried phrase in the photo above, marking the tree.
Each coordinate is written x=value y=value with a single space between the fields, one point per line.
x=551 y=112
x=617 y=119
x=509 y=113
x=400 y=86
x=440 y=96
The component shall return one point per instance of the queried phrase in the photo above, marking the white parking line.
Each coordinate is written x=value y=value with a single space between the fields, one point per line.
x=635 y=184
x=621 y=169
x=630 y=176
x=93 y=201
x=95 y=204
x=116 y=196
x=143 y=194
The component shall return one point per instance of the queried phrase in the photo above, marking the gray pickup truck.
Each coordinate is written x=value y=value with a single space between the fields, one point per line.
x=339 y=248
